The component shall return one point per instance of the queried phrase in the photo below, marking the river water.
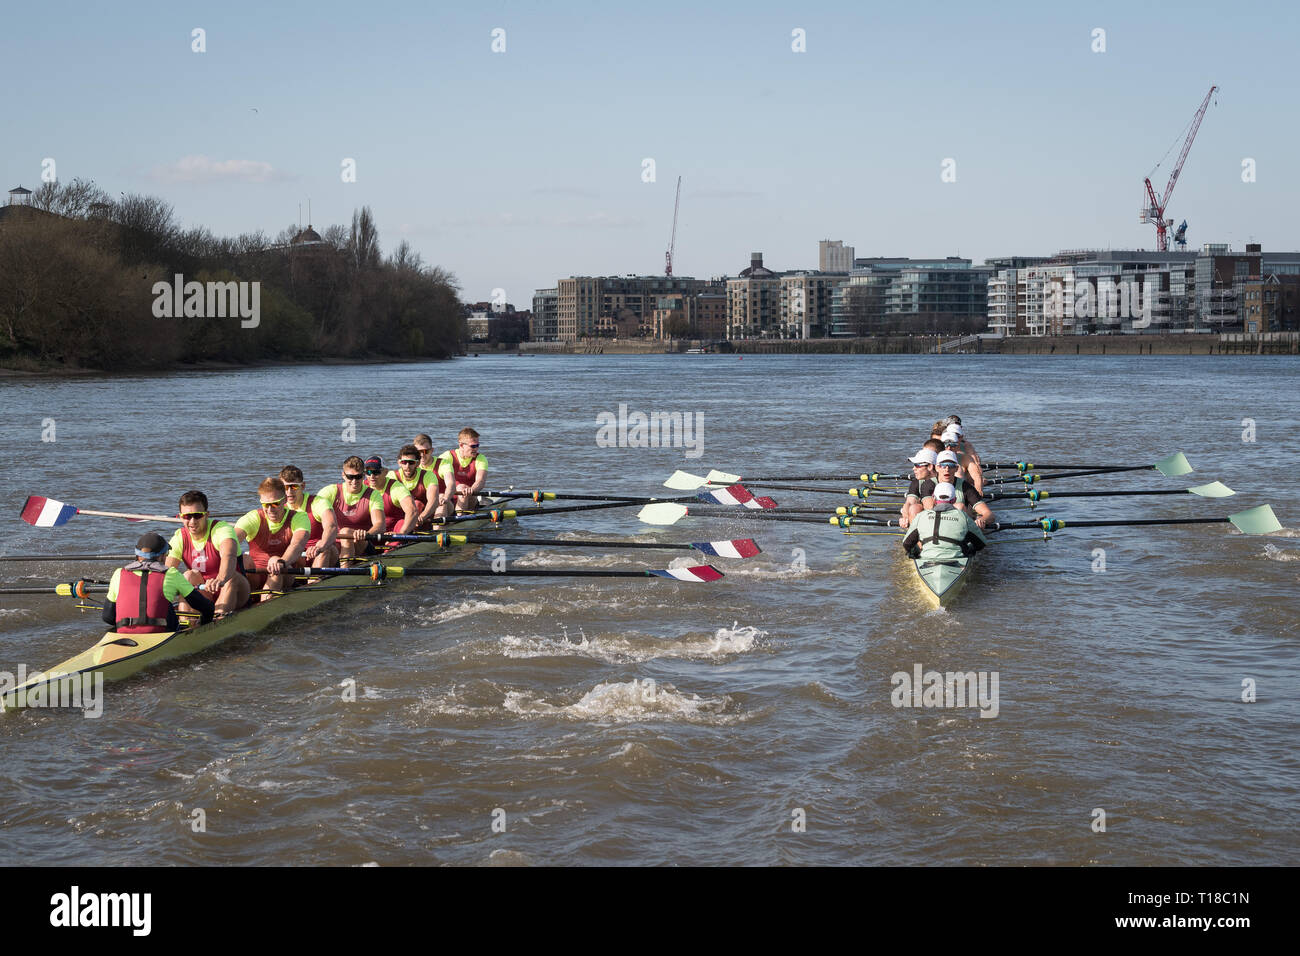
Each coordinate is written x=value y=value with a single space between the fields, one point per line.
x=746 y=721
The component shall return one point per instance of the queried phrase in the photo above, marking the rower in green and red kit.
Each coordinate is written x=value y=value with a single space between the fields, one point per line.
x=140 y=601
x=276 y=536
x=210 y=551
x=398 y=505
x=322 y=548
x=424 y=484
x=358 y=511
x=469 y=470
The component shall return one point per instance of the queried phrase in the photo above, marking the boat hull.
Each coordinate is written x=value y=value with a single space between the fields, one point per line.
x=117 y=656
x=942 y=581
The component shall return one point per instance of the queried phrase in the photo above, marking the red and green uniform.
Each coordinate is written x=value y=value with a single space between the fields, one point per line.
x=466 y=473
x=425 y=479
x=393 y=494
x=143 y=597
x=267 y=539
x=351 y=510
x=200 y=552
x=309 y=506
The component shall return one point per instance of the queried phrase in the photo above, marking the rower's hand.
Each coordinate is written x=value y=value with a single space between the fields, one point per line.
x=902 y=522
x=983 y=520
x=311 y=552
x=274 y=565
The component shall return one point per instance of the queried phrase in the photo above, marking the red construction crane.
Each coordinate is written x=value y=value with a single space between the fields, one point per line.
x=672 y=240
x=1154 y=211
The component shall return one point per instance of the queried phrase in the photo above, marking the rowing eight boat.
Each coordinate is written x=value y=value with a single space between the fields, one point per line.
x=117 y=656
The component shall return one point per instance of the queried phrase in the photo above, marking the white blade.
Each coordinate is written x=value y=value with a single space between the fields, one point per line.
x=722 y=478
x=664 y=513
x=685 y=481
x=1215 y=489
x=1173 y=466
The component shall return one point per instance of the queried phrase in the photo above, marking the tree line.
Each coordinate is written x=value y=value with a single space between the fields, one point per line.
x=78 y=271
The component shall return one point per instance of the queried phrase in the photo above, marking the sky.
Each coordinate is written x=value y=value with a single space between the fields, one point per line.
x=515 y=166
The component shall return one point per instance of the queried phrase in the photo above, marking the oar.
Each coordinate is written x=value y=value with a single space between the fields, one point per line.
x=685 y=481
x=1260 y=520
x=1170 y=467
x=733 y=495
x=734 y=548
x=1214 y=489
x=49 y=513
x=666 y=513
x=380 y=572
x=540 y=496
x=1177 y=460
x=71 y=589
x=68 y=557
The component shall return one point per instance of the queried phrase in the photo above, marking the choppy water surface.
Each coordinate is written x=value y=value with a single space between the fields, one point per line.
x=743 y=722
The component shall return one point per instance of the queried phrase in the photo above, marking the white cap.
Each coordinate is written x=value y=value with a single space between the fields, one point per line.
x=952 y=433
x=947 y=456
x=945 y=491
x=925 y=456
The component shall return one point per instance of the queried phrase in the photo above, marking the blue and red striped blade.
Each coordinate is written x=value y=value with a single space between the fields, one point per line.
x=735 y=495
x=700 y=572
x=736 y=548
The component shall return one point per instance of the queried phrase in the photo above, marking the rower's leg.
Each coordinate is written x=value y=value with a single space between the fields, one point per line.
x=233 y=596
x=328 y=558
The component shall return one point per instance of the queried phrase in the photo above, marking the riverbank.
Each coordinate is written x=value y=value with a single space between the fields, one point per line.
x=32 y=369
x=1272 y=343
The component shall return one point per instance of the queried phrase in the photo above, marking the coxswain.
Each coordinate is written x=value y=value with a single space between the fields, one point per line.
x=923 y=480
x=322 y=549
x=276 y=537
x=469 y=470
x=966 y=497
x=210 y=552
x=399 y=506
x=141 y=601
x=358 y=511
x=943 y=531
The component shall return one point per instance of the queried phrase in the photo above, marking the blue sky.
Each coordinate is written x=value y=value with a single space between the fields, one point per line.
x=512 y=169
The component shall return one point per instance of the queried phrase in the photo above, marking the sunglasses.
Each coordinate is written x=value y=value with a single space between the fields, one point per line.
x=347 y=477
x=193 y=515
x=379 y=472
x=272 y=504
x=293 y=484
x=407 y=461
x=468 y=445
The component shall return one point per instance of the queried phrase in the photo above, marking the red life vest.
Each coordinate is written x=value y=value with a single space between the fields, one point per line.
x=264 y=545
x=206 y=561
x=141 y=606
x=356 y=516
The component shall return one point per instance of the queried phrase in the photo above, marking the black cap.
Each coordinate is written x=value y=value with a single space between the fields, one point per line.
x=374 y=461
x=151 y=543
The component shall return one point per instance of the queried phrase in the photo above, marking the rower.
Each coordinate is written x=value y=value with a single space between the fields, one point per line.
x=953 y=436
x=422 y=483
x=399 y=506
x=322 y=548
x=944 y=532
x=469 y=470
x=922 y=484
x=276 y=536
x=424 y=446
x=967 y=498
x=210 y=552
x=149 y=591
x=358 y=511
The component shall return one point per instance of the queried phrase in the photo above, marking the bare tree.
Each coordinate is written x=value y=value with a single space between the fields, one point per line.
x=363 y=245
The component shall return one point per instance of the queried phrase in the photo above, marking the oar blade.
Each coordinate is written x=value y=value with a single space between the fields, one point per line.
x=1259 y=520
x=46 y=512
x=700 y=572
x=685 y=481
x=722 y=478
x=664 y=513
x=1173 y=466
x=735 y=495
x=736 y=548
x=1215 y=489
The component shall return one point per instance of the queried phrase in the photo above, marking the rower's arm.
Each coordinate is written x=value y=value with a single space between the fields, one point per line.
x=408 y=510
x=329 y=529
x=376 y=521
x=229 y=551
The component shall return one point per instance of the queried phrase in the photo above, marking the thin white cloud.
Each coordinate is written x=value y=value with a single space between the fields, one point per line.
x=204 y=169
